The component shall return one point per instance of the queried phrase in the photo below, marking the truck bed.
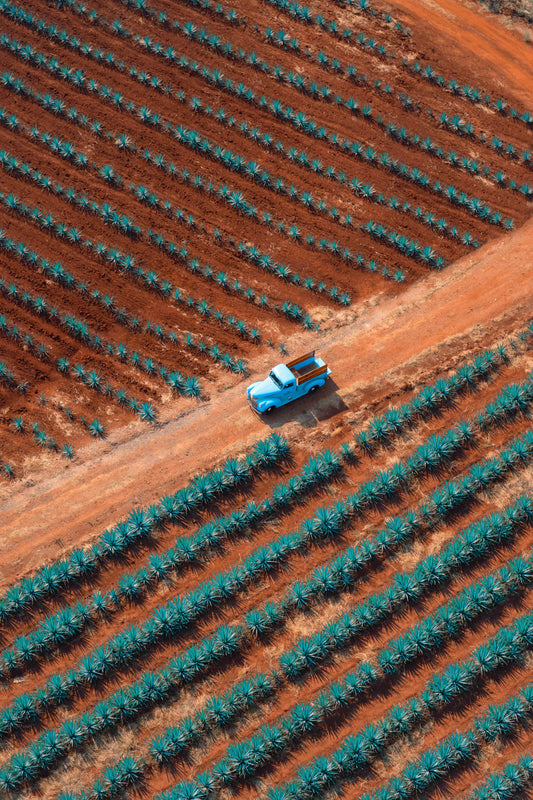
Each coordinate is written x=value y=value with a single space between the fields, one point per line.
x=304 y=368
x=307 y=367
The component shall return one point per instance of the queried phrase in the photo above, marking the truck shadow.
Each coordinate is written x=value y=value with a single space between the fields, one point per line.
x=308 y=411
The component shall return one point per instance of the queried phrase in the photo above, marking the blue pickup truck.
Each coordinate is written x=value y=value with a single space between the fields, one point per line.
x=288 y=382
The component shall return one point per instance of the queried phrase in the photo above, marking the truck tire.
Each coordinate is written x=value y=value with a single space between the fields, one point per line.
x=269 y=409
x=313 y=389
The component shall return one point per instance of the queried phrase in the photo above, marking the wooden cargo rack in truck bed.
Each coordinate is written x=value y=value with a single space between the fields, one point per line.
x=306 y=367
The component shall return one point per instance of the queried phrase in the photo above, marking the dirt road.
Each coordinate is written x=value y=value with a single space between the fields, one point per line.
x=386 y=339
x=496 y=49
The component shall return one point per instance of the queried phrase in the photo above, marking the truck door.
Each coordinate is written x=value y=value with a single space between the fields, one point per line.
x=289 y=391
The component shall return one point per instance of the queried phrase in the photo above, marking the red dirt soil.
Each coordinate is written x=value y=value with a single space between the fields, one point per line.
x=330 y=268
x=386 y=336
x=381 y=349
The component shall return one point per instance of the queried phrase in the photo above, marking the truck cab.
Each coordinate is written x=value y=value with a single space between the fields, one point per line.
x=287 y=382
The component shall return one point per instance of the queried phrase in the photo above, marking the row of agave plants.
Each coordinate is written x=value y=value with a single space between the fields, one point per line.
x=360 y=188
x=407 y=246
x=318 y=471
x=429 y=400
x=23 y=597
x=183 y=669
x=41 y=757
x=502 y=722
x=353 y=758
x=304 y=720
x=56 y=271
x=301 y=121
x=238 y=202
x=233 y=198
x=122 y=223
x=304 y=14
x=291 y=310
x=473 y=94
x=23 y=338
x=350 y=565
x=468 y=547
x=244 y=758
x=78 y=329
x=512 y=781
x=98 y=383
x=41 y=437
x=366 y=191
x=9 y=379
x=402 y=653
x=380 y=430
x=127 y=264
x=46 y=440
x=123 y=261
x=176 y=615
x=217 y=9
x=426 y=71
x=230 y=160
x=455 y=123
x=301 y=82
x=57 y=629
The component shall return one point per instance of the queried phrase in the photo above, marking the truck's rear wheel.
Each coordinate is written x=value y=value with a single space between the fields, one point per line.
x=313 y=389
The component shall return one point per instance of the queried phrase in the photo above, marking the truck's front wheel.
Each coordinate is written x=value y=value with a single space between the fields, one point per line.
x=269 y=409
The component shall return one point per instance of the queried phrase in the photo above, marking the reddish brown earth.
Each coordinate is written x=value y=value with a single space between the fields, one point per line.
x=390 y=341
x=393 y=342
x=273 y=327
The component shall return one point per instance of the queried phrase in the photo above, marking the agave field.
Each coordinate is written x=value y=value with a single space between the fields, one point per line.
x=191 y=188
x=356 y=621
x=186 y=185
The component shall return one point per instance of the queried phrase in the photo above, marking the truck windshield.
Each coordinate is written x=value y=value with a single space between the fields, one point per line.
x=276 y=380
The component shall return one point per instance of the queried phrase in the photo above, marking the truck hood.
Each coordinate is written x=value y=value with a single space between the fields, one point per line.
x=263 y=389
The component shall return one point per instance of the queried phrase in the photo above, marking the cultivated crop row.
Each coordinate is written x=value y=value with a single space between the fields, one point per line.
x=327 y=522
x=56 y=271
x=59 y=628
x=46 y=221
x=301 y=121
x=121 y=222
x=510 y=782
x=380 y=430
x=392 y=660
x=20 y=599
x=457 y=751
x=425 y=71
x=245 y=758
x=126 y=263
x=301 y=82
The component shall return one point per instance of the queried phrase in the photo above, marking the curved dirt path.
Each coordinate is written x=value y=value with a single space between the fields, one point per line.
x=483 y=35
x=484 y=294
